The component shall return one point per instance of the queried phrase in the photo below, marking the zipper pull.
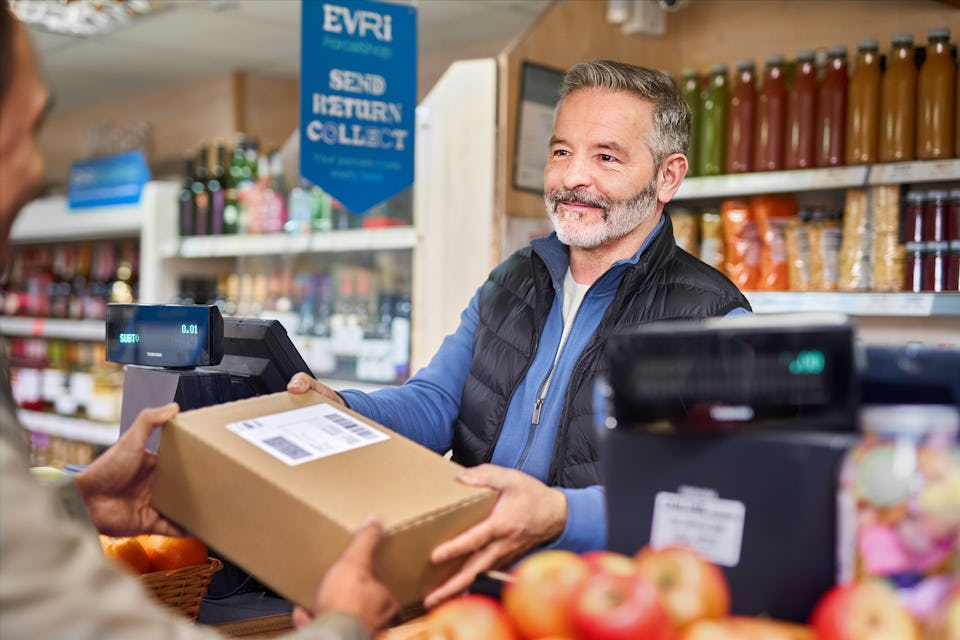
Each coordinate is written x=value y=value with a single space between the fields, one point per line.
x=536 y=411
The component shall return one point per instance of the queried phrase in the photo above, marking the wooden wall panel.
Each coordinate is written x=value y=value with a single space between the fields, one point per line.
x=269 y=109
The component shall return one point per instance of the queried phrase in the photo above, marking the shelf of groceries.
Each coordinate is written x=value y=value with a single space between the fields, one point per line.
x=746 y=184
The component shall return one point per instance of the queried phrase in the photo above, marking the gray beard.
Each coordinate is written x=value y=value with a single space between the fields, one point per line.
x=620 y=217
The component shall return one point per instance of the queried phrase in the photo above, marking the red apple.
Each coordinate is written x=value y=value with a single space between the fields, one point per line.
x=862 y=611
x=609 y=561
x=744 y=628
x=540 y=597
x=470 y=617
x=692 y=588
x=612 y=606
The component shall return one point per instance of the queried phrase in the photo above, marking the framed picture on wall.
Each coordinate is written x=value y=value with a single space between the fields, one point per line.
x=539 y=89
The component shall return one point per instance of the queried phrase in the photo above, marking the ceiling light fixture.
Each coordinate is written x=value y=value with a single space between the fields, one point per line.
x=81 y=18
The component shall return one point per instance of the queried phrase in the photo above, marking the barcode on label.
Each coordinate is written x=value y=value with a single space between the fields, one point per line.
x=286 y=447
x=355 y=427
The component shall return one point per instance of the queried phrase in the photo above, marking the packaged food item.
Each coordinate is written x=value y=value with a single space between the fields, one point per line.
x=898 y=102
x=798 y=253
x=887 y=252
x=900 y=504
x=740 y=116
x=771 y=115
x=711 y=240
x=863 y=105
x=741 y=241
x=801 y=114
x=936 y=95
x=686 y=231
x=772 y=214
x=832 y=109
x=855 y=245
x=824 y=234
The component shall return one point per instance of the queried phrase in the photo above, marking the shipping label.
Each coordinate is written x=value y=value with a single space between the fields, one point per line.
x=701 y=521
x=306 y=434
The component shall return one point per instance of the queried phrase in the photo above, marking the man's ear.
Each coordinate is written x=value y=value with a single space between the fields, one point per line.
x=672 y=172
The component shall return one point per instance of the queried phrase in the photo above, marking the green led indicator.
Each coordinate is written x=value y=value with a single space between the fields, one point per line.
x=804 y=363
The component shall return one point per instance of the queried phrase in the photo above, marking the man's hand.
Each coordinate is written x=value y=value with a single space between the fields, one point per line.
x=301 y=383
x=350 y=585
x=117 y=487
x=527 y=514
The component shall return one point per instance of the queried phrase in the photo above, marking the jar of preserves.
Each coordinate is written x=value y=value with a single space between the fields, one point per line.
x=899 y=508
x=771 y=115
x=832 y=110
x=690 y=92
x=934 y=264
x=863 y=105
x=935 y=97
x=913 y=267
x=898 y=103
x=801 y=114
x=714 y=101
x=913 y=216
x=951 y=276
x=935 y=216
x=743 y=96
x=953 y=216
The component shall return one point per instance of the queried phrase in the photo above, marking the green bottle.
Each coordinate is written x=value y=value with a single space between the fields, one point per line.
x=690 y=92
x=711 y=140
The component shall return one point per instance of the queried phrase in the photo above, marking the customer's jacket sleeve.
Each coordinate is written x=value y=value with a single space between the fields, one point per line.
x=55 y=582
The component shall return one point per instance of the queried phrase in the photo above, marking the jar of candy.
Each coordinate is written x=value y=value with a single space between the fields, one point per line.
x=900 y=504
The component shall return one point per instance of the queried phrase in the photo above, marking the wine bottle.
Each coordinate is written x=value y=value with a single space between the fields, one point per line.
x=185 y=198
x=201 y=193
x=216 y=186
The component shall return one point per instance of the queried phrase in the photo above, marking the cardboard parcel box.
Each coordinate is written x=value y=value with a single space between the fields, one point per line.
x=279 y=483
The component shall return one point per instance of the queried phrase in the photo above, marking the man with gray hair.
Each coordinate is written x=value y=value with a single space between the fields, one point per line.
x=511 y=391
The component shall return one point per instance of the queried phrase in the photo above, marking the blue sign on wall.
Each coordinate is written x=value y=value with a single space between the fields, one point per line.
x=358 y=96
x=111 y=180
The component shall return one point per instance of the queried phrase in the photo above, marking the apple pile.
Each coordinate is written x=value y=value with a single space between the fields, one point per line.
x=671 y=593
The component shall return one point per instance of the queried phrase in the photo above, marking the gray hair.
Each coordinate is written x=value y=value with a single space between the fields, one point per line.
x=671 y=115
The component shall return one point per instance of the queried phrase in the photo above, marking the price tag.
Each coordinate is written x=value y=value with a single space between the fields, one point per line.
x=709 y=525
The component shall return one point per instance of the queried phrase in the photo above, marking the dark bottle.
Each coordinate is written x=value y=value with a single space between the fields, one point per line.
x=801 y=114
x=185 y=198
x=935 y=216
x=233 y=178
x=935 y=97
x=216 y=187
x=201 y=195
x=690 y=92
x=832 y=110
x=913 y=227
x=714 y=101
x=898 y=103
x=863 y=105
x=743 y=97
x=771 y=114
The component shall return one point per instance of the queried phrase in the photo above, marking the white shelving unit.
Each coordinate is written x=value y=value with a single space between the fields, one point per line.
x=55 y=328
x=100 y=433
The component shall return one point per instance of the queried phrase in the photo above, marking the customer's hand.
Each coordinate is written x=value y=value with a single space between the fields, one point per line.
x=301 y=383
x=527 y=514
x=350 y=585
x=117 y=487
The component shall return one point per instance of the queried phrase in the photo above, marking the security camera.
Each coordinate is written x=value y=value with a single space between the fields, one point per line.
x=672 y=5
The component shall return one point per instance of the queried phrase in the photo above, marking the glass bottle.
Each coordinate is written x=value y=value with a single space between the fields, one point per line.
x=201 y=193
x=832 y=109
x=801 y=113
x=690 y=92
x=935 y=97
x=898 y=103
x=739 y=135
x=715 y=99
x=216 y=187
x=863 y=105
x=771 y=113
x=185 y=198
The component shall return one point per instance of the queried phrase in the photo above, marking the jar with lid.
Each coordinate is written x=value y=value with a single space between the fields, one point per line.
x=832 y=109
x=913 y=267
x=952 y=226
x=743 y=96
x=899 y=509
x=714 y=101
x=898 y=103
x=913 y=216
x=690 y=92
x=935 y=97
x=801 y=113
x=863 y=105
x=951 y=275
x=933 y=267
x=935 y=216
x=771 y=114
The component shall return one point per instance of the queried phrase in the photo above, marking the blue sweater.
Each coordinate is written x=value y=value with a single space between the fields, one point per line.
x=426 y=407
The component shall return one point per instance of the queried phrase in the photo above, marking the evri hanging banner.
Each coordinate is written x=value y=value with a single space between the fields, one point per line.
x=358 y=94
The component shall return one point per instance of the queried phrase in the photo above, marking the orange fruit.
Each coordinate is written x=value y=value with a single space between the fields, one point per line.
x=126 y=551
x=169 y=552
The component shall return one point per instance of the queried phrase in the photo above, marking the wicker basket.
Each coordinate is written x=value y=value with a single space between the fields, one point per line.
x=184 y=588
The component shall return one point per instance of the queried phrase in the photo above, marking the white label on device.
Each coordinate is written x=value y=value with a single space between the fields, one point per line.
x=709 y=525
x=306 y=434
